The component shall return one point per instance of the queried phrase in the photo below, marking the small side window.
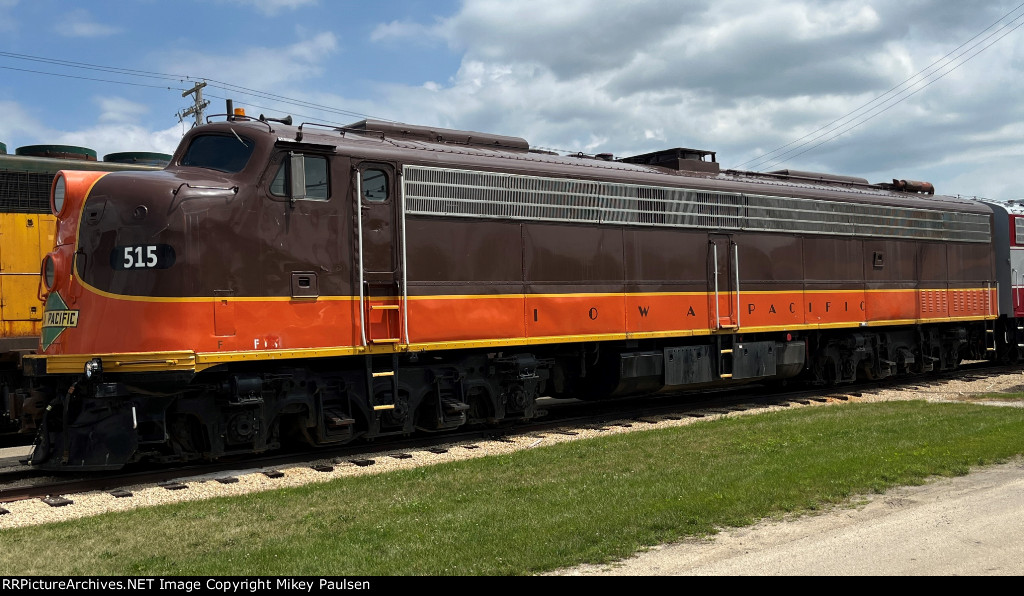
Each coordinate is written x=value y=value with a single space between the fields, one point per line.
x=316 y=179
x=375 y=186
x=1018 y=231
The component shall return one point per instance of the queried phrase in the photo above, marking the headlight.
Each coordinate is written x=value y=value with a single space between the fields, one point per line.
x=93 y=368
x=57 y=194
x=49 y=272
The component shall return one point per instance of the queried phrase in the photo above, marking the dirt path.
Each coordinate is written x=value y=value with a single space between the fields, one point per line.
x=970 y=525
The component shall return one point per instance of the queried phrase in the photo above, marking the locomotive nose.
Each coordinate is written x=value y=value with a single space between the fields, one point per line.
x=68 y=193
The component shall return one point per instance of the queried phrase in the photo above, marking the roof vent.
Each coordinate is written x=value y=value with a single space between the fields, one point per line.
x=57 y=151
x=680 y=159
x=818 y=177
x=429 y=134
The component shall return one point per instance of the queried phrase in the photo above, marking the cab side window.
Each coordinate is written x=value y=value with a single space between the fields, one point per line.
x=316 y=178
x=375 y=186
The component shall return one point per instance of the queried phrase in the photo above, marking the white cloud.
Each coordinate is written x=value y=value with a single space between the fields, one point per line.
x=117 y=138
x=572 y=38
x=273 y=7
x=117 y=109
x=404 y=31
x=79 y=23
x=16 y=122
x=265 y=68
x=19 y=128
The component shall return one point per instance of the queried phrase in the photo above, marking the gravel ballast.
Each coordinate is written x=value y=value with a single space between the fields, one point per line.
x=36 y=511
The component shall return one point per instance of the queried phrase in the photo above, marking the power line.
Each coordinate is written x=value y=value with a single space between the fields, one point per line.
x=69 y=76
x=288 y=100
x=765 y=157
x=173 y=77
x=87 y=66
x=181 y=79
x=850 y=125
x=252 y=105
x=828 y=128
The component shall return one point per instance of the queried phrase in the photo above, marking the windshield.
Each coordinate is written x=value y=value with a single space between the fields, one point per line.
x=224 y=153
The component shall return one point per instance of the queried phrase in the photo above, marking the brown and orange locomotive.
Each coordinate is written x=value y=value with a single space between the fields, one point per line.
x=26 y=235
x=283 y=283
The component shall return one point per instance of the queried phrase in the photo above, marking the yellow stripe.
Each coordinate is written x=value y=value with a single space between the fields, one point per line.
x=192 y=361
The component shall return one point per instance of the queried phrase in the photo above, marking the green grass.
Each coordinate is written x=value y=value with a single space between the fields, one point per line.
x=539 y=509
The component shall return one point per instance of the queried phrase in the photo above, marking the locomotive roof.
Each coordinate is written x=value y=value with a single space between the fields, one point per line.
x=50 y=165
x=1013 y=207
x=472 y=150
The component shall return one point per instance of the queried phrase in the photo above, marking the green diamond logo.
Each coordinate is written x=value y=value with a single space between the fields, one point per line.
x=56 y=318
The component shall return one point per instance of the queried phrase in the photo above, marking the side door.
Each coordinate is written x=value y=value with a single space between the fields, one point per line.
x=379 y=231
x=723 y=282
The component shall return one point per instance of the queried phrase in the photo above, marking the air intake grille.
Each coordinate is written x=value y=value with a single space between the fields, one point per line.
x=826 y=217
x=466 y=193
x=23 y=192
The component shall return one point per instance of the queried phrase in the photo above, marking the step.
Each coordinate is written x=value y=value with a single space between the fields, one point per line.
x=453 y=405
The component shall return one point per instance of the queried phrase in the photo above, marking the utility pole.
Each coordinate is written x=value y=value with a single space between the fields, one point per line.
x=198 y=105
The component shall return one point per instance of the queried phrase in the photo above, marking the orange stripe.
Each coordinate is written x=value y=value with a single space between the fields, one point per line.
x=107 y=325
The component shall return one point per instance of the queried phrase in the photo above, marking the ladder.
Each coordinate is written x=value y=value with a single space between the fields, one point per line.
x=731 y=320
x=724 y=344
x=390 y=323
x=373 y=373
x=990 y=324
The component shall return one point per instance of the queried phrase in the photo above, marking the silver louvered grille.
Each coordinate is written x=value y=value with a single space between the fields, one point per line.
x=466 y=193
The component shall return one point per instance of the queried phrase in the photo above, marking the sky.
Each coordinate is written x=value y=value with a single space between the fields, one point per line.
x=924 y=90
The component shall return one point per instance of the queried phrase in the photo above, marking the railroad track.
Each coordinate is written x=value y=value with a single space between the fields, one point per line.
x=19 y=482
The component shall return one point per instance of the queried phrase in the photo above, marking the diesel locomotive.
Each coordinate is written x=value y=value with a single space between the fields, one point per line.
x=281 y=283
x=26 y=236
